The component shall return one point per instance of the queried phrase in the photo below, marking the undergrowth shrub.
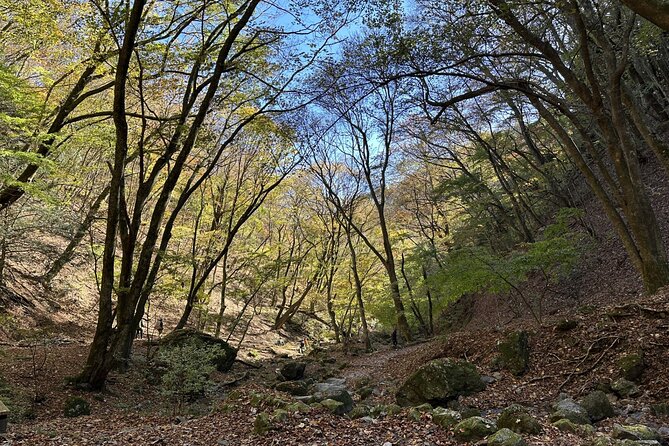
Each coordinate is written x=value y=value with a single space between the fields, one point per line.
x=188 y=370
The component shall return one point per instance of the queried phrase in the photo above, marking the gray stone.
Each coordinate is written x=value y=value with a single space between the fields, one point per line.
x=323 y=391
x=506 y=437
x=597 y=405
x=570 y=410
x=439 y=381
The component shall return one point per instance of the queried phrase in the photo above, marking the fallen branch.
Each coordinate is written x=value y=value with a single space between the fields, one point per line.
x=589 y=369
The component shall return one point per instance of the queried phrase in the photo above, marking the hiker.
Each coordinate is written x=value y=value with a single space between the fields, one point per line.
x=301 y=349
x=139 y=334
x=394 y=337
x=159 y=326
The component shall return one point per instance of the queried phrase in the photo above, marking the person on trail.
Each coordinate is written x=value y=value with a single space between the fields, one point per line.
x=139 y=334
x=301 y=349
x=159 y=326
x=393 y=337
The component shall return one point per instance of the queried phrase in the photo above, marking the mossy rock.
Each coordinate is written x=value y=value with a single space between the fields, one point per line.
x=262 y=424
x=279 y=415
x=632 y=365
x=359 y=411
x=474 y=429
x=423 y=408
x=660 y=409
x=298 y=406
x=440 y=381
x=506 y=437
x=222 y=361
x=566 y=325
x=597 y=405
x=446 y=418
x=634 y=432
x=295 y=388
x=570 y=410
x=365 y=392
x=415 y=414
x=625 y=388
x=517 y=418
x=76 y=406
x=514 y=352
x=333 y=406
x=564 y=425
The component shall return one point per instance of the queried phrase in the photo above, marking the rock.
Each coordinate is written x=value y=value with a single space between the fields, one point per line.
x=414 y=414
x=565 y=425
x=625 y=388
x=223 y=361
x=262 y=424
x=359 y=411
x=474 y=429
x=514 y=352
x=295 y=388
x=634 y=432
x=566 y=325
x=487 y=380
x=280 y=415
x=632 y=366
x=365 y=392
x=76 y=406
x=506 y=437
x=426 y=407
x=298 y=406
x=293 y=370
x=570 y=410
x=335 y=392
x=468 y=412
x=517 y=418
x=446 y=418
x=333 y=405
x=439 y=381
x=660 y=409
x=597 y=405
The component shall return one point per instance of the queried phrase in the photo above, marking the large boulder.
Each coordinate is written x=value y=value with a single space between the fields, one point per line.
x=333 y=391
x=178 y=338
x=295 y=388
x=438 y=382
x=474 y=429
x=517 y=418
x=293 y=370
x=597 y=405
x=570 y=410
x=514 y=352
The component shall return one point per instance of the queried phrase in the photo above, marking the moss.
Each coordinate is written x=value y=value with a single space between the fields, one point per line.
x=474 y=429
x=506 y=437
x=632 y=366
x=262 y=424
x=514 y=352
x=517 y=419
x=76 y=406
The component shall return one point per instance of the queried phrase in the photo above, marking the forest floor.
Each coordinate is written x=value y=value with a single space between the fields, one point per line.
x=134 y=412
